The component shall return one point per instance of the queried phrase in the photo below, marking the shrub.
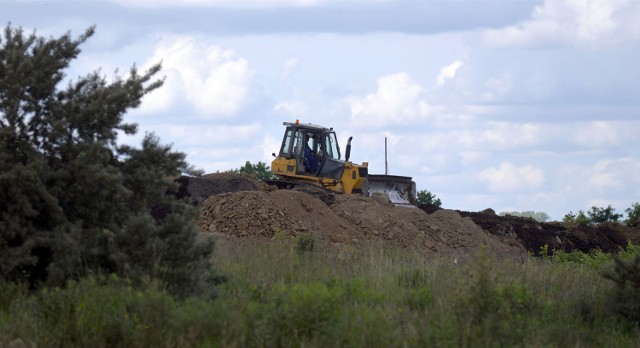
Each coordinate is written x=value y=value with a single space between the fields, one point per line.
x=305 y=243
x=296 y=313
x=419 y=299
x=495 y=312
x=598 y=215
x=595 y=259
x=595 y=215
x=426 y=197
x=107 y=311
x=630 y=251
x=633 y=214
x=260 y=171
x=626 y=275
x=74 y=201
x=579 y=219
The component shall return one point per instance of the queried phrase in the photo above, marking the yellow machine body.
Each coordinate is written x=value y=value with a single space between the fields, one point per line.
x=349 y=182
x=309 y=154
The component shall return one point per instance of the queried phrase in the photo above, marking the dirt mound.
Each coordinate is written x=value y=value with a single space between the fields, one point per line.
x=266 y=214
x=241 y=206
x=444 y=230
x=351 y=219
x=198 y=189
x=533 y=235
x=609 y=237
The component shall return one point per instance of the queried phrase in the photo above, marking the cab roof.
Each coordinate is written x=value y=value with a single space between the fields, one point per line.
x=308 y=126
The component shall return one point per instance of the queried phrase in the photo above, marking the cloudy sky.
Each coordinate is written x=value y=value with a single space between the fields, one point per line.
x=513 y=105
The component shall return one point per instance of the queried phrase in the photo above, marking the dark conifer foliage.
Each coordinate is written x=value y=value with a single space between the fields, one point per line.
x=626 y=275
x=72 y=201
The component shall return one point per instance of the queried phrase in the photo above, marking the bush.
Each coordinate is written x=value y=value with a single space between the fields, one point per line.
x=626 y=275
x=493 y=311
x=596 y=259
x=74 y=201
x=107 y=311
x=579 y=219
x=633 y=214
x=630 y=251
x=296 y=313
x=598 y=215
x=305 y=243
x=426 y=197
x=260 y=171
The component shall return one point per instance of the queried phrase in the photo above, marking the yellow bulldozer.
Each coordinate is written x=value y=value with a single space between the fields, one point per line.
x=310 y=155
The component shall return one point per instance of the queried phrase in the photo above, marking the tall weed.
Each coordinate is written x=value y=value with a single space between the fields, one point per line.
x=372 y=297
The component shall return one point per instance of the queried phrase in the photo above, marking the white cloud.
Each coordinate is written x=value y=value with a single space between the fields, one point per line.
x=289 y=67
x=498 y=136
x=398 y=100
x=204 y=135
x=510 y=178
x=222 y=3
x=597 y=134
x=448 y=72
x=471 y=157
x=269 y=145
x=496 y=88
x=614 y=174
x=586 y=22
x=292 y=108
x=207 y=77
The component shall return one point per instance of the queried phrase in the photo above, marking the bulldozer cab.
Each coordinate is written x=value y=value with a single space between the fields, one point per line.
x=314 y=148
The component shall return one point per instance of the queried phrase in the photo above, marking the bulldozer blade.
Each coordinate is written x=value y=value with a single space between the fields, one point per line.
x=401 y=190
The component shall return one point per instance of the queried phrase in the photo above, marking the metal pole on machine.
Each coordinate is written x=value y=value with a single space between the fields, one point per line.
x=386 y=164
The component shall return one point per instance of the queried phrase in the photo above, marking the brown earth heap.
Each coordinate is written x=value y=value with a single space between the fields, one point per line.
x=239 y=206
x=609 y=237
x=197 y=189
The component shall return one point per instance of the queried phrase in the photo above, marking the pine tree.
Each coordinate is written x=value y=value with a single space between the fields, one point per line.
x=626 y=275
x=72 y=201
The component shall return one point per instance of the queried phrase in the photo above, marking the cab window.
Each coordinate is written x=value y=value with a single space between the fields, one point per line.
x=285 y=150
x=331 y=146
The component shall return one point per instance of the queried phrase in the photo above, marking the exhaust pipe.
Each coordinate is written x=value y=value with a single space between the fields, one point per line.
x=347 y=154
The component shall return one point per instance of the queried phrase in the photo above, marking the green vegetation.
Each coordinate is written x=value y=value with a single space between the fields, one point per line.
x=626 y=275
x=426 y=197
x=93 y=252
x=595 y=259
x=539 y=216
x=633 y=214
x=597 y=215
x=277 y=295
x=579 y=219
x=260 y=170
x=74 y=202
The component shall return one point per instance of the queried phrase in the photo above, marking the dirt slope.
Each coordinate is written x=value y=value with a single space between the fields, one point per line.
x=343 y=219
x=609 y=237
x=239 y=206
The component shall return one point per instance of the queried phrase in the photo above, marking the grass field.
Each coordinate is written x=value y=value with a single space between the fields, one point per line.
x=278 y=294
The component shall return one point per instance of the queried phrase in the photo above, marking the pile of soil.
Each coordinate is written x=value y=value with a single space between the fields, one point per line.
x=239 y=206
x=441 y=231
x=342 y=219
x=608 y=237
x=197 y=189
x=267 y=214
